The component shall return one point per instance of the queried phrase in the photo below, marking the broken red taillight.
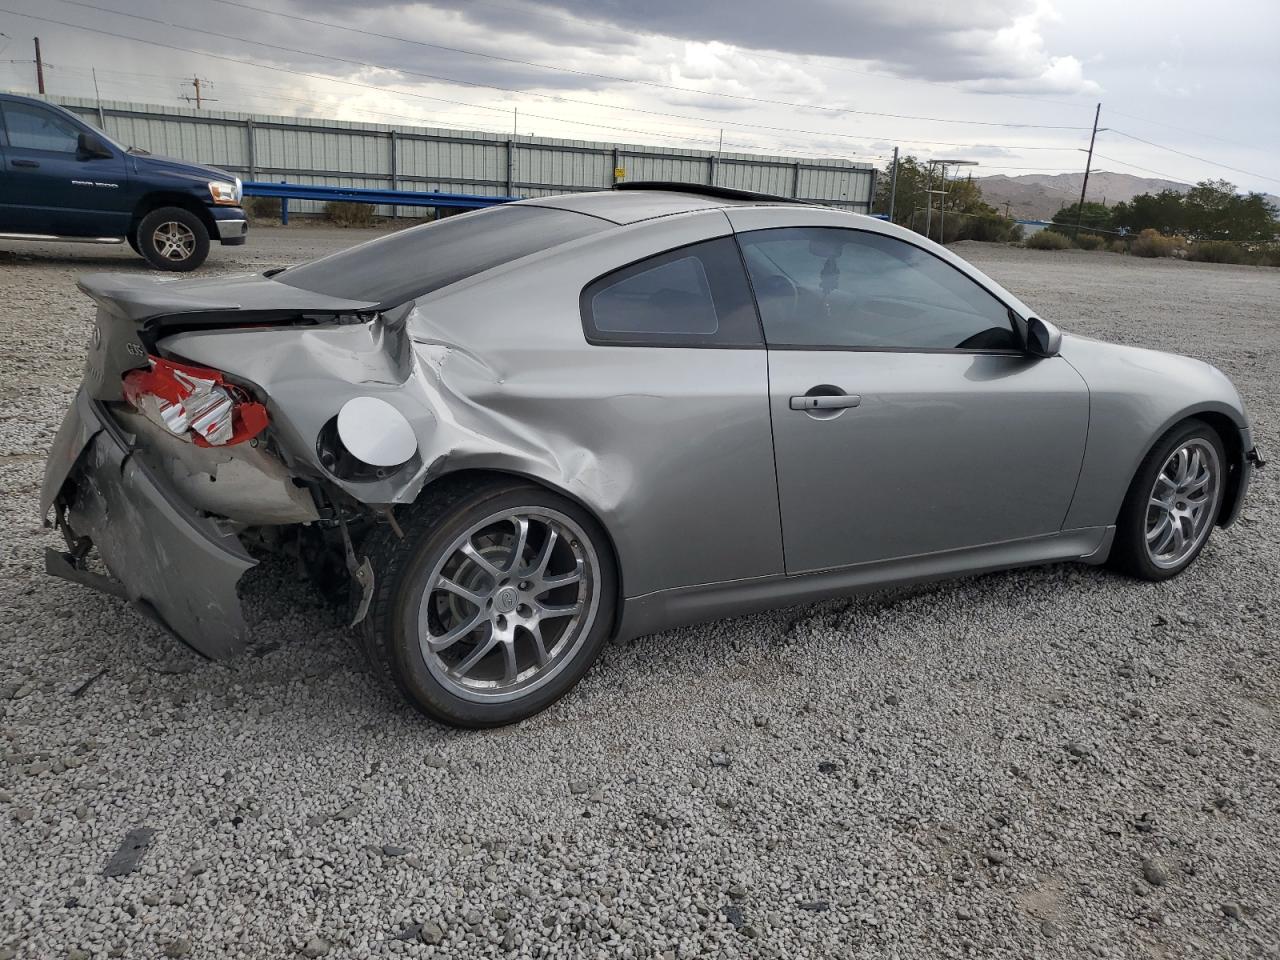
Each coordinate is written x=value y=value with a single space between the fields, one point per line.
x=194 y=403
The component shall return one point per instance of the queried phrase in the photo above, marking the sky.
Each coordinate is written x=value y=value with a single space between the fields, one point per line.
x=1188 y=91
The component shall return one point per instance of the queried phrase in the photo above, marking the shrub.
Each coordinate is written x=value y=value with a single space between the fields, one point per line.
x=991 y=228
x=1219 y=251
x=348 y=213
x=1047 y=240
x=1119 y=246
x=1150 y=243
x=262 y=208
x=1090 y=241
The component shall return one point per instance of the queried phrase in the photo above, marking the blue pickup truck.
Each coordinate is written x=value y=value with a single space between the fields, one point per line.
x=62 y=179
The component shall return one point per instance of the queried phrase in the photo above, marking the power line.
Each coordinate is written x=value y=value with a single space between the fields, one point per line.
x=1126 y=163
x=1192 y=156
x=1195 y=133
x=383 y=89
x=598 y=76
x=444 y=79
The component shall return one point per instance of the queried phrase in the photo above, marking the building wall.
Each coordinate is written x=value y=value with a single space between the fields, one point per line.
x=381 y=156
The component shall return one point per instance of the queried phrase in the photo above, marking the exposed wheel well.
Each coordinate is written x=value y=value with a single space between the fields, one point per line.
x=473 y=477
x=1232 y=446
x=154 y=201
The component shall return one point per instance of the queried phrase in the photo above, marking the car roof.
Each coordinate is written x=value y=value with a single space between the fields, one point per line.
x=633 y=205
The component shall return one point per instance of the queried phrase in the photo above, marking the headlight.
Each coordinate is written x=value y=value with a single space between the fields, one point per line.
x=223 y=192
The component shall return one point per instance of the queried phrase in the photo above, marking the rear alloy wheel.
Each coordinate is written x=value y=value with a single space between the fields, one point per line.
x=172 y=238
x=494 y=605
x=1172 y=505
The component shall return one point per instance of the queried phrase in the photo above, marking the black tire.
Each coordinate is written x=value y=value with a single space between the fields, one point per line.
x=403 y=568
x=187 y=238
x=1130 y=553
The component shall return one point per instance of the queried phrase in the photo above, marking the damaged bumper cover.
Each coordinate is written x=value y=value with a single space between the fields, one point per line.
x=176 y=566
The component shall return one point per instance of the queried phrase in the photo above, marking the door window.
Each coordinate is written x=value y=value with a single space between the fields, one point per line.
x=853 y=289
x=34 y=128
x=689 y=297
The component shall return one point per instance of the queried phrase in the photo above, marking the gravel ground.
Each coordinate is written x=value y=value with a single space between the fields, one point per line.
x=1051 y=762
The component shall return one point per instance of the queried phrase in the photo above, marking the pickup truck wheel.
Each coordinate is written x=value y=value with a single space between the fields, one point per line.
x=172 y=238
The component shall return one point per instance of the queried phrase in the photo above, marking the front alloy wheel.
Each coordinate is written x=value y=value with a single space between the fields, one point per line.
x=1183 y=502
x=174 y=241
x=1172 y=504
x=172 y=238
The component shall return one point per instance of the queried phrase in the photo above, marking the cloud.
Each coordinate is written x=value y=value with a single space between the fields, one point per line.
x=998 y=41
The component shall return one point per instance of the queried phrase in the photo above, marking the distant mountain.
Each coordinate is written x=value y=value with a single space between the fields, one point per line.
x=1037 y=196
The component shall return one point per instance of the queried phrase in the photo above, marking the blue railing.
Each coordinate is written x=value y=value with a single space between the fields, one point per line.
x=399 y=198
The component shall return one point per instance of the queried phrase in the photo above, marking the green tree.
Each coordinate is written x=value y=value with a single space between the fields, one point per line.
x=1096 y=219
x=967 y=214
x=1211 y=210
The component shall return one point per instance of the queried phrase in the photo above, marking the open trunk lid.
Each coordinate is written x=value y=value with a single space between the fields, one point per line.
x=134 y=312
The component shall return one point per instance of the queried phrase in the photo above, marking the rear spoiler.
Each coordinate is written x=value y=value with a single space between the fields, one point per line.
x=144 y=298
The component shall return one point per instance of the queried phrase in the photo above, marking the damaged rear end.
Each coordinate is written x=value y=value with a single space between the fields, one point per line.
x=207 y=421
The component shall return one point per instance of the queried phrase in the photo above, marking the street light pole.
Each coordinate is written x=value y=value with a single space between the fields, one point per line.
x=928 y=200
x=893 y=184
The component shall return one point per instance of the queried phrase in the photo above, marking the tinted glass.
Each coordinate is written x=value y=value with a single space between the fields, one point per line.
x=824 y=287
x=404 y=265
x=33 y=128
x=692 y=296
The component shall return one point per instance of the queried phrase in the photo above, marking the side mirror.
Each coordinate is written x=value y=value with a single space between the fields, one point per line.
x=89 y=147
x=1043 y=338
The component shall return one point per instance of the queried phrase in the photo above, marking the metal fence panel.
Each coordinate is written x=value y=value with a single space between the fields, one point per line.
x=342 y=153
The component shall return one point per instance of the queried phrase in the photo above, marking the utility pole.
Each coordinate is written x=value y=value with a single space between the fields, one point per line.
x=199 y=99
x=39 y=68
x=1087 y=164
x=893 y=184
x=515 y=121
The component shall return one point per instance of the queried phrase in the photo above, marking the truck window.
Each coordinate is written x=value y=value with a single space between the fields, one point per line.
x=34 y=128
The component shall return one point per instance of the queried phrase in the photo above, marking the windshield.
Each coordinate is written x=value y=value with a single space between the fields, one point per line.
x=402 y=266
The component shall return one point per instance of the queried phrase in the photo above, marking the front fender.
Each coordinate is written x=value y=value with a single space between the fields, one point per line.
x=1135 y=396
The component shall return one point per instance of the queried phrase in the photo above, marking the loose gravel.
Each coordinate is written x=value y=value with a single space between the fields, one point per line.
x=1050 y=763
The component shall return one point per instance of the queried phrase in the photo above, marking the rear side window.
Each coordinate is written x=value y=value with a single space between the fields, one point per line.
x=410 y=263
x=34 y=128
x=695 y=296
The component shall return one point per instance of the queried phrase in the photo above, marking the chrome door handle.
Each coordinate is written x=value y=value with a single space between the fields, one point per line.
x=842 y=402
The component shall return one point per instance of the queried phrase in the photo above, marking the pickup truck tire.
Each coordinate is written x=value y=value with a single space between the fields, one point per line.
x=171 y=238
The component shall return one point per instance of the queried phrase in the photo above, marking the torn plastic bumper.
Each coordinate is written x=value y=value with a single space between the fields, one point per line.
x=176 y=566
x=1248 y=462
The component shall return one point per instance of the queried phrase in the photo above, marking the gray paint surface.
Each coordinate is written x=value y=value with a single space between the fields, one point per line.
x=691 y=459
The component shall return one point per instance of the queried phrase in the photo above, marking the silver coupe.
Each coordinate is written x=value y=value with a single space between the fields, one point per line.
x=509 y=435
